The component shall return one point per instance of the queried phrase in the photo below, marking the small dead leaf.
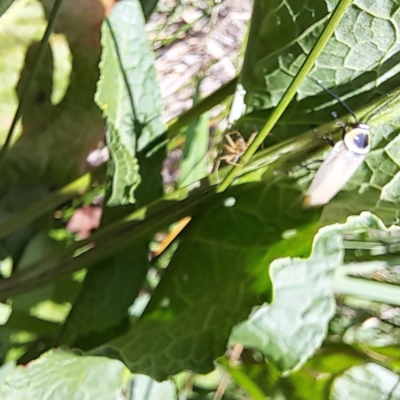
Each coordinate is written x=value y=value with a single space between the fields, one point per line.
x=84 y=220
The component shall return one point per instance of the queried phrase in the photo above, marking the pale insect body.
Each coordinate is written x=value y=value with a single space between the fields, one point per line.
x=340 y=165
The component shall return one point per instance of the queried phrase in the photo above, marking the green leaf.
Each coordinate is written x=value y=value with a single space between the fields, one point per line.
x=193 y=166
x=105 y=297
x=367 y=382
x=63 y=375
x=360 y=64
x=218 y=273
x=129 y=96
x=145 y=388
x=290 y=329
x=281 y=38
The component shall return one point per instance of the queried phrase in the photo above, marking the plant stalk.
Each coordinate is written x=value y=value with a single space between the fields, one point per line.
x=290 y=92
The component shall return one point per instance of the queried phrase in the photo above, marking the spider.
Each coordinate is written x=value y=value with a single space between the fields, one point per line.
x=233 y=149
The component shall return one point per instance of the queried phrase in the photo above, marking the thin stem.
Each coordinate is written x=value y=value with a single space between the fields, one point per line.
x=102 y=244
x=108 y=239
x=201 y=107
x=290 y=92
x=78 y=186
x=29 y=82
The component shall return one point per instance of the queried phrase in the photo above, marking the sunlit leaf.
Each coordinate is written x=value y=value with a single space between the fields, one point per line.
x=367 y=382
x=290 y=329
x=129 y=96
x=218 y=273
x=65 y=375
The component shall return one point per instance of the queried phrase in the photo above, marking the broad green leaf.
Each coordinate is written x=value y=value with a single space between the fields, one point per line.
x=105 y=297
x=281 y=37
x=193 y=166
x=129 y=96
x=218 y=273
x=367 y=382
x=290 y=329
x=360 y=64
x=63 y=375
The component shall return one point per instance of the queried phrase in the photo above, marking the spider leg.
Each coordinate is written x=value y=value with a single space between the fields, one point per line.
x=228 y=138
x=236 y=132
x=226 y=157
x=234 y=163
x=231 y=150
x=216 y=169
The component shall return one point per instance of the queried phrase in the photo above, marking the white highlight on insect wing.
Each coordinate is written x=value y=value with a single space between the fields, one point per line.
x=340 y=165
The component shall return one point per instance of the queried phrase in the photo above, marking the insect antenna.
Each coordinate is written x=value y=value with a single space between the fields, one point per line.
x=335 y=96
x=382 y=107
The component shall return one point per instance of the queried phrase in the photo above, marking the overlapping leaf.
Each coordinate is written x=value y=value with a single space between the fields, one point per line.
x=129 y=95
x=359 y=63
x=363 y=47
x=63 y=375
x=290 y=329
x=218 y=273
